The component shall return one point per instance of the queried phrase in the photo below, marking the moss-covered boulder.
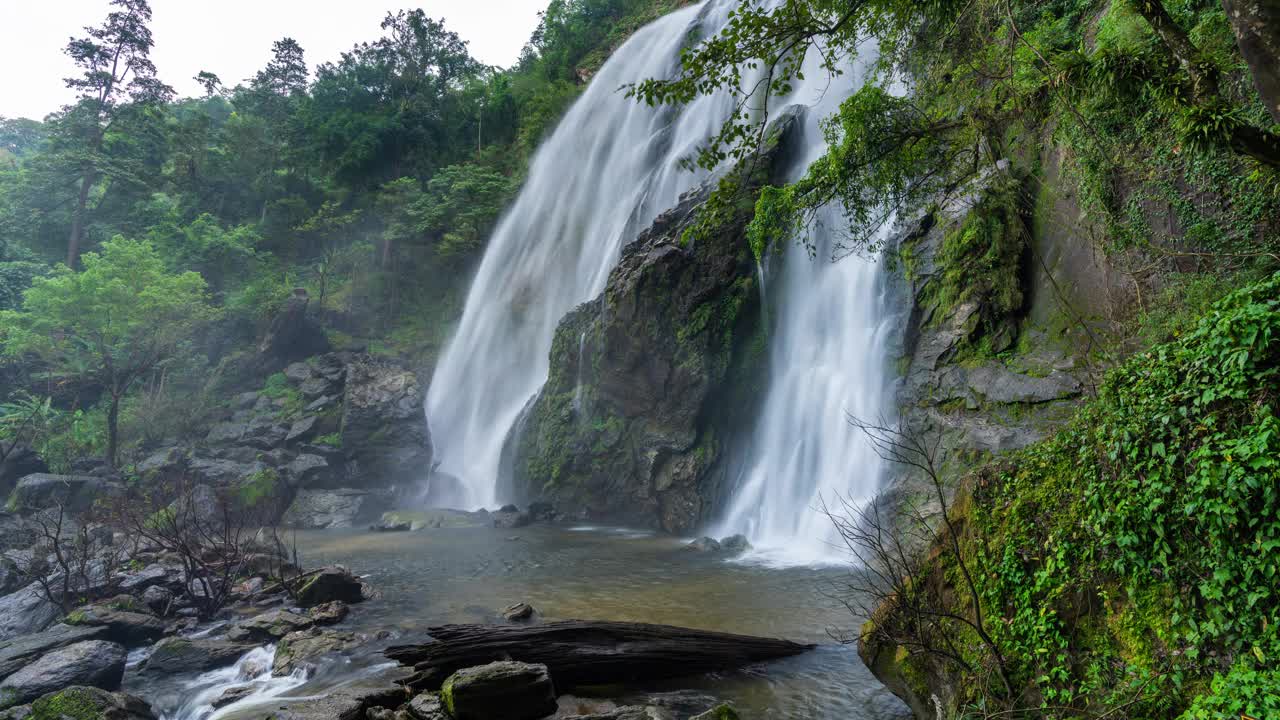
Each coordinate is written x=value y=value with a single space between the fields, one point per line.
x=499 y=691
x=89 y=703
x=648 y=380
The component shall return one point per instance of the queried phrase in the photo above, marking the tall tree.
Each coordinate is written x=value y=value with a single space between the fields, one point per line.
x=111 y=324
x=116 y=70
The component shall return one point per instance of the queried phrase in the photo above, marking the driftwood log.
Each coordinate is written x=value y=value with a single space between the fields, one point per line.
x=580 y=652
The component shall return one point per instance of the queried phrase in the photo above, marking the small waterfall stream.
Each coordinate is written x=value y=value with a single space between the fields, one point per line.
x=609 y=168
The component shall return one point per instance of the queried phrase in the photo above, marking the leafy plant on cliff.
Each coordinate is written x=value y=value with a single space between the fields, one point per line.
x=1133 y=557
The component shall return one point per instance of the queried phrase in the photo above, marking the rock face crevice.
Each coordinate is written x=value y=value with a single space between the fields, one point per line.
x=650 y=379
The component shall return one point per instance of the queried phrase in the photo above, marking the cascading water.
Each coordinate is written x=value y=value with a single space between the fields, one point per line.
x=826 y=364
x=610 y=167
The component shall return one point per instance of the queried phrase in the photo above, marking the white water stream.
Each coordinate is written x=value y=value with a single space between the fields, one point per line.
x=609 y=168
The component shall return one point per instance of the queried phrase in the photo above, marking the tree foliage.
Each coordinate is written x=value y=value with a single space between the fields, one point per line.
x=120 y=318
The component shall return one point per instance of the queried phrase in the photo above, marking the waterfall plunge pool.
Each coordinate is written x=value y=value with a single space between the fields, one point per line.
x=458 y=575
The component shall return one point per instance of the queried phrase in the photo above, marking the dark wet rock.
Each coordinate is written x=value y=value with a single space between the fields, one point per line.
x=298 y=373
x=510 y=520
x=330 y=613
x=426 y=706
x=264 y=433
x=508 y=509
x=330 y=584
x=649 y=379
x=277 y=457
x=18 y=652
x=25 y=611
x=163 y=464
x=340 y=508
x=542 y=511
x=310 y=471
x=292 y=336
x=223 y=472
x=317 y=387
x=321 y=404
x=383 y=425
x=90 y=703
x=42 y=491
x=735 y=544
x=269 y=626
x=123 y=626
x=347 y=703
x=159 y=599
x=504 y=690
x=704 y=544
x=154 y=574
x=17 y=532
x=300 y=649
x=11 y=576
x=174 y=655
x=95 y=663
x=518 y=612
x=232 y=695
x=245 y=400
x=302 y=429
x=225 y=433
x=20 y=462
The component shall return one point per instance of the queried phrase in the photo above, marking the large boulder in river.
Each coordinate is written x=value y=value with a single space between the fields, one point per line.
x=330 y=584
x=384 y=428
x=504 y=690
x=175 y=655
x=649 y=380
x=95 y=663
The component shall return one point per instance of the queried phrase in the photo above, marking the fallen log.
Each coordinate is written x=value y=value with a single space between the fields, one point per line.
x=580 y=652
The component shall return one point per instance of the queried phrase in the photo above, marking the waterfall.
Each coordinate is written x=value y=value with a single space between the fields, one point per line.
x=826 y=364
x=609 y=168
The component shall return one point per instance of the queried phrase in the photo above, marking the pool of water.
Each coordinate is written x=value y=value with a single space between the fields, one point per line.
x=439 y=576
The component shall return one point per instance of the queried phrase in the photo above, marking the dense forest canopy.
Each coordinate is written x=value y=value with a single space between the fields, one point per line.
x=371 y=183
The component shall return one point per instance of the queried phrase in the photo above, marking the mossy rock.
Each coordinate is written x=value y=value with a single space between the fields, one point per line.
x=88 y=703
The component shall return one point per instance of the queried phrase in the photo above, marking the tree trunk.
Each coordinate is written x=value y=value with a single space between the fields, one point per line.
x=578 y=652
x=113 y=422
x=1256 y=24
x=78 y=220
x=1177 y=41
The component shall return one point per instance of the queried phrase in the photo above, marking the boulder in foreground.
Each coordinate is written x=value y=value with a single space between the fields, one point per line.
x=503 y=690
x=95 y=663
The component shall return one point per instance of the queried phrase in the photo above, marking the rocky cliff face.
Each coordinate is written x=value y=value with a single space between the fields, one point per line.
x=646 y=380
x=1001 y=307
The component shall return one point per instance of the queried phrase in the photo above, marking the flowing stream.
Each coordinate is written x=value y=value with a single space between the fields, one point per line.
x=609 y=168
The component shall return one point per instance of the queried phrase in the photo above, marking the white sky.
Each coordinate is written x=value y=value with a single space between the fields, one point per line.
x=230 y=38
